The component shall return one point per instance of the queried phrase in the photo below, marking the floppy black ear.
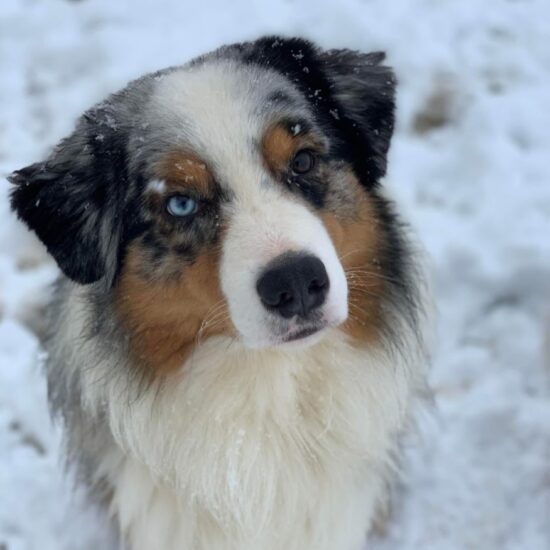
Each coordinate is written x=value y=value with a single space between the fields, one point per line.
x=365 y=91
x=70 y=202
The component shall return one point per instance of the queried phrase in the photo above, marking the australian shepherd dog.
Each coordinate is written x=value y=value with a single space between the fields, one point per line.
x=236 y=340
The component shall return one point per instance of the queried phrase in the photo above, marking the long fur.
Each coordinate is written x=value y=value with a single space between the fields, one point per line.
x=248 y=448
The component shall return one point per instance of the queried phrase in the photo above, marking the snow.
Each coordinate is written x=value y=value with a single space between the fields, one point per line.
x=470 y=167
x=158 y=186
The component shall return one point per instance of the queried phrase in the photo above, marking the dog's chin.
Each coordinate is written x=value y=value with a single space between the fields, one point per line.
x=295 y=338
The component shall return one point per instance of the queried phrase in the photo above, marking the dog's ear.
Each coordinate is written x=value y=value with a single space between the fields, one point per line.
x=365 y=92
x=352 y=91
x=70 y=201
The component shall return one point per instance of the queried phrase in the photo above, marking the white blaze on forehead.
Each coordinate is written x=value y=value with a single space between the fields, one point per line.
x=217 y=109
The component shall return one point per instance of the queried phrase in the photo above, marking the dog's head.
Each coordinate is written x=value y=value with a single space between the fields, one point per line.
x=235 y=195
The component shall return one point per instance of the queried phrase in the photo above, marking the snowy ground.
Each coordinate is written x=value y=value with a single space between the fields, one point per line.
x=470 y=165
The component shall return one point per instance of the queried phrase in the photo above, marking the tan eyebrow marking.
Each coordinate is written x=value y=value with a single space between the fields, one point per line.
x=183 y=170
x=278 y=145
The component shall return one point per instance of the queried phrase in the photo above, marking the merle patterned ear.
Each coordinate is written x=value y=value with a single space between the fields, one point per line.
x=70 y=202
x=365 y=90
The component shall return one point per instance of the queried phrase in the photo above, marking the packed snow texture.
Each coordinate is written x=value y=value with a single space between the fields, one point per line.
x=469 y=165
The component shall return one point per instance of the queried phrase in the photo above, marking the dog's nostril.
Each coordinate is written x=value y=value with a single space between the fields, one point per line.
x=285 y=297
x=316 y=286
x=293 y=284
x=276 y=300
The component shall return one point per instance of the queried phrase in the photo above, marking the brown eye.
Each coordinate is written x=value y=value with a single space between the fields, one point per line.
x=302 y=162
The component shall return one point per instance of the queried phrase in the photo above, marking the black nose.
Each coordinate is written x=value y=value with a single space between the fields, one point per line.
x=293 y=284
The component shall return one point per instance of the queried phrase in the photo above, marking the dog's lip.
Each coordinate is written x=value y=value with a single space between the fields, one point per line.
x=302 y=333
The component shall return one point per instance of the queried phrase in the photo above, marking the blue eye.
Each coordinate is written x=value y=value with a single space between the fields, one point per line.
x=181 y=206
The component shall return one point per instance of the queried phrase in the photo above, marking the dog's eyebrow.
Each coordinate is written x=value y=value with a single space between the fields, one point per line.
x=182 y=170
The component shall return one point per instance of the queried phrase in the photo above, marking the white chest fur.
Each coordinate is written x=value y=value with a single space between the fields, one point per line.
x=250 y=450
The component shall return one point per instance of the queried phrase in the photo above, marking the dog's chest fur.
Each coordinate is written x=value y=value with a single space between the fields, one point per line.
x=261 y=443
x=251 y=449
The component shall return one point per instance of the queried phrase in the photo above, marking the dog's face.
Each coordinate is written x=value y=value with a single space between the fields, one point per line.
x=235 y=195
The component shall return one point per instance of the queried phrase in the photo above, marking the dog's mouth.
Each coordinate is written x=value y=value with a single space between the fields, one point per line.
x=301 y=333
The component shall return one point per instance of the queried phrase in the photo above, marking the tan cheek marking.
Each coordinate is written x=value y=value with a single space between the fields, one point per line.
x=180 y=169
x=357 y=241
x=278 y=146
x=166 y=319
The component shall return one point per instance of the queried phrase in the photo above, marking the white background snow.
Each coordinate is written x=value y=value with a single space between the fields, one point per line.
x=470 y=166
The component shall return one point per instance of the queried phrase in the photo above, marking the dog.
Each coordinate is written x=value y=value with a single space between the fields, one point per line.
x=236 y=340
